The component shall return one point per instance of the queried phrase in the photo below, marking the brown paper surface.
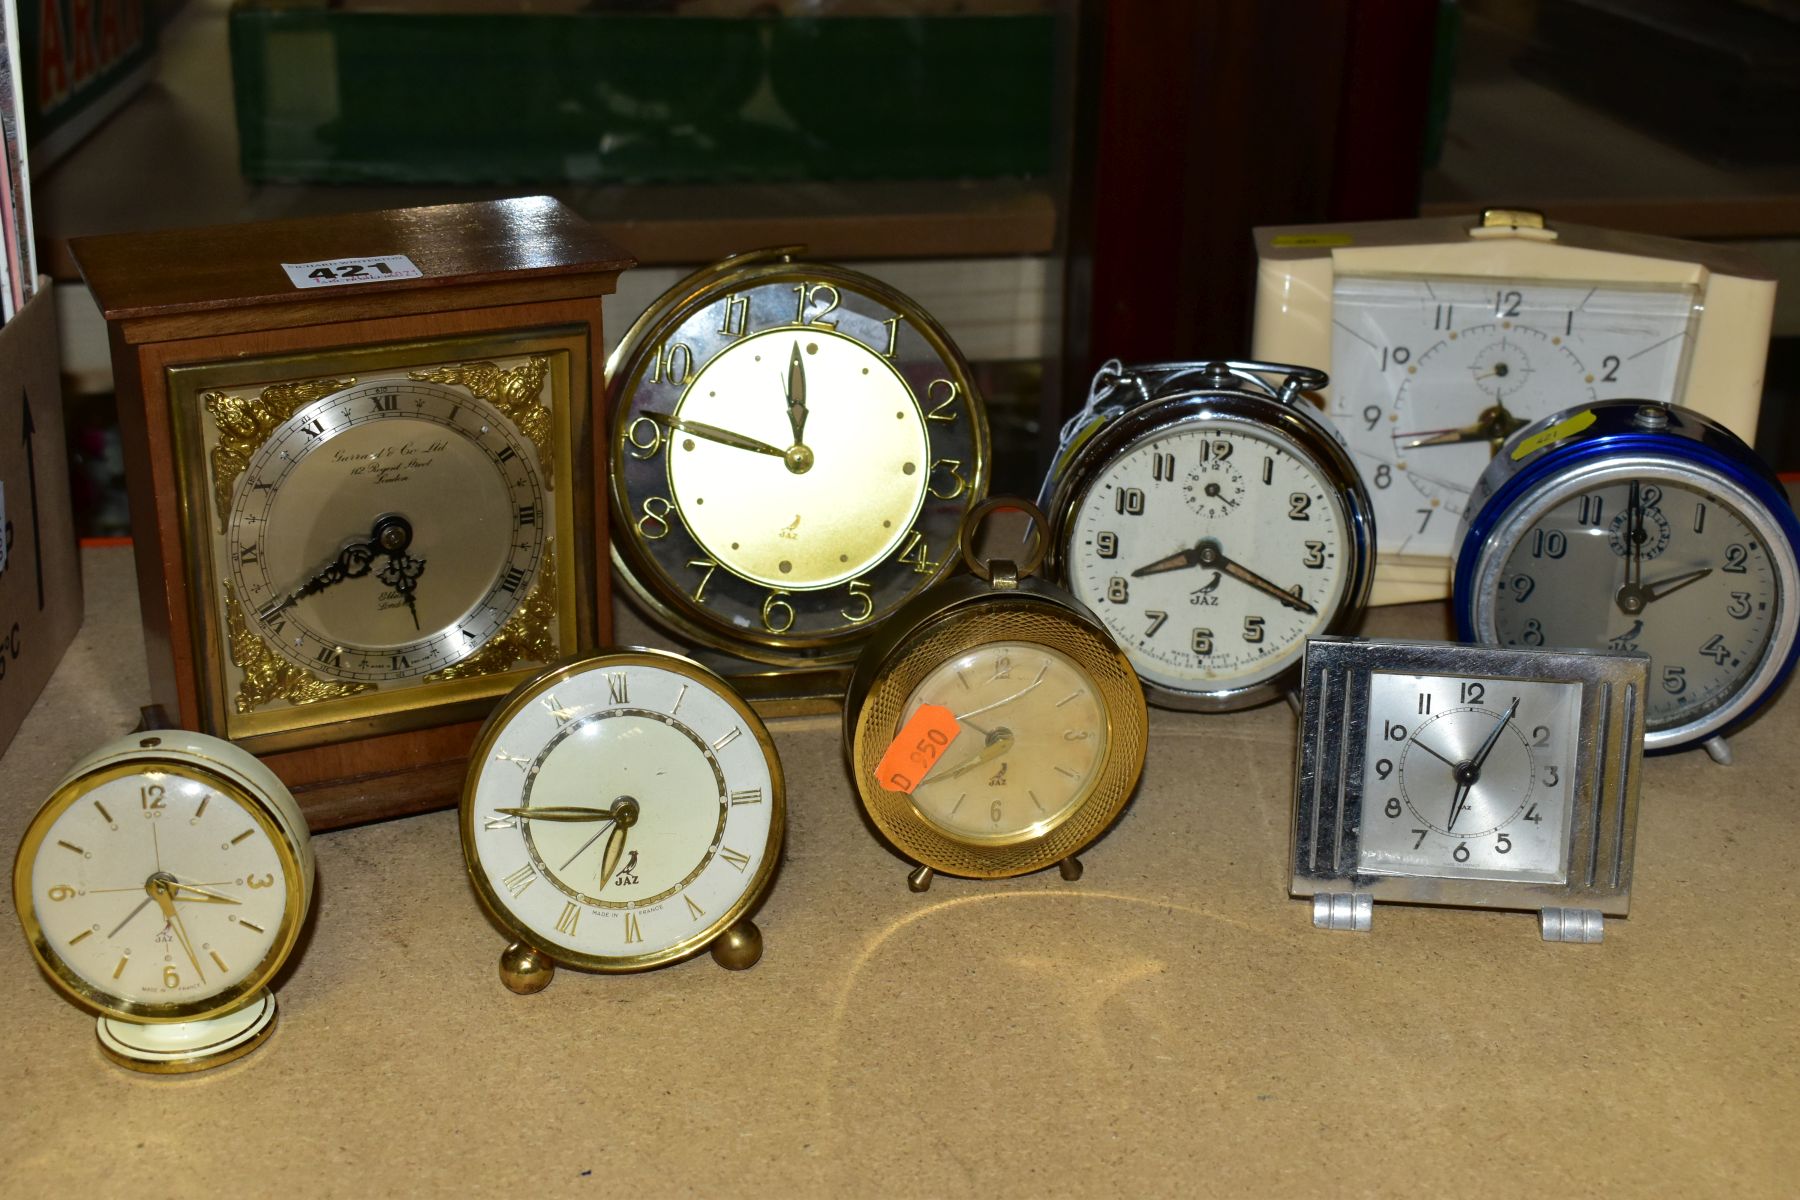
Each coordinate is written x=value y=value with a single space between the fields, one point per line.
x=1170 y=1025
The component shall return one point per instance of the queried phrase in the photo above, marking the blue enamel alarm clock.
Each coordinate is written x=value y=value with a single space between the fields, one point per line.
x=1627 y=525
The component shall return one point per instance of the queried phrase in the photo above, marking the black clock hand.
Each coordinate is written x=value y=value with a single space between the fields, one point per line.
x=1493 y=426
x=390 y=535
x=1662 y=587
x=402 y=574
x=1441 y=758
x=1469 y=774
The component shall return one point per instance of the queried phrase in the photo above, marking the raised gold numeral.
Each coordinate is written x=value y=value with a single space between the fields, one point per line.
x=736 y=322
x=268 y=880
x=571 y=917
x=777 y=613
x=940 y=409
x=806 y=295
x=676 y=707
x=694 y=910
x=674 y=362
x=644 y=438
x=501 y=822
x=654 y=523
x=728 y=737
x=617 y=688
x=914 y=552
x=747 y=796
x=740 y=861
x=706 y=567
x=563 y=715
x=893 y=328
x=632 y=932
x=519 y=880
x=859 y=590
x=952 y=467
x=524 y=764
x=151 y=796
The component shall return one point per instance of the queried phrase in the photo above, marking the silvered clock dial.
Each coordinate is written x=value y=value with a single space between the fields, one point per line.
x=1440 y=774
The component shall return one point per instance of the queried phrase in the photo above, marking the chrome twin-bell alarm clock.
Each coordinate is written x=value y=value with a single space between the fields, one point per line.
x=621 y=812
x=162 y=885
x=1213 y=521
x=1473 y=776
x=994 y=727
x=1628 y=525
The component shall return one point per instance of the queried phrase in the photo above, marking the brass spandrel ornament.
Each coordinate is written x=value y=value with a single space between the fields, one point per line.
x=514 y=392
x=244 y=424
x=267 y=677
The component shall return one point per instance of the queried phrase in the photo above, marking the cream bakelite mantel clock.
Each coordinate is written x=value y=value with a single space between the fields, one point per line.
x=363 y=512
x=1444 y=335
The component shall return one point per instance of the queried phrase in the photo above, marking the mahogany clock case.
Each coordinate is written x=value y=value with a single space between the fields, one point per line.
x=184 y=308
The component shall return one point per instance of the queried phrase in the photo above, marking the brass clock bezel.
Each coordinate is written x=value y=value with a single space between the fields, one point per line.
x=636 y=567
x=493 y=902
x=419 y=702
x=99 y=1000
x=964 y=614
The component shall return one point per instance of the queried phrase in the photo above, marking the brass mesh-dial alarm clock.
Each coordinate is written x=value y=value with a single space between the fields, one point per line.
x=1213 y=521
x=1432 y=773
x=794 y=447
x=162 y=885
x=994 y=727
x=362 y=513
x=1443 y=335
x=621 y=812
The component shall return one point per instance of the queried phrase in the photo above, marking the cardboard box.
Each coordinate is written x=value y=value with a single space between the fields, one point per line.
x=40 y=581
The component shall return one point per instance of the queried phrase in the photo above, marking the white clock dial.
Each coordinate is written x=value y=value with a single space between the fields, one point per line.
x=1429 y=376
x=158 y=889
x=1468 y=777
x=1211 y=552
x=1703 y=598
x=1033 y=733
x=623 y=812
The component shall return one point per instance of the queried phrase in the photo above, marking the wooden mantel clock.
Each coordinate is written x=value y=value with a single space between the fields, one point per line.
x=362 y=455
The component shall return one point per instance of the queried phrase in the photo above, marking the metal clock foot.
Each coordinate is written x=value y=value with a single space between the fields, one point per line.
x=524 y=970
x=1295 y=702
x=1071 y=868
x=739 y=947
x=1351 y=911
x=1719 y=749
x=1572 y=924
x=919 y=879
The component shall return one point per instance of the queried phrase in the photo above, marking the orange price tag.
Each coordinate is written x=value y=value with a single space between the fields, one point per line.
x=918 y=745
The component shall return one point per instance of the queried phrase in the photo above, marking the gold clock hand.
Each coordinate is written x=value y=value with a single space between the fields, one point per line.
x=796 y=395
x=713 y=433
x=1244 y=574
x=998 y=743
x=202 y=895
x=567 y=812
x=1175 y=562
x=1494 y=425
x=609 y=858
x=164 y=895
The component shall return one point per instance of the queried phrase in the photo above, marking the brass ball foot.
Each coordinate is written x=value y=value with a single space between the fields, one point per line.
x=739 y=947
x=524 y=970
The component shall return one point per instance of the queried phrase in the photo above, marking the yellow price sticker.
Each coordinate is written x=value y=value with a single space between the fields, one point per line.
x=1556 y=433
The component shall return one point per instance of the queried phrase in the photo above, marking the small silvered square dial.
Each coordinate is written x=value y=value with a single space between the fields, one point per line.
x=1443 y=774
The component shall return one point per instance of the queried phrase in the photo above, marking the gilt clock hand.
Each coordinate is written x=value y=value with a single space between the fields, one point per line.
x=796 y=395
x=1494 y=425
x=713 y=433
x=551 y=812
x=202 y=895
x=998 y=743
x=615 y=850
x=161 y=891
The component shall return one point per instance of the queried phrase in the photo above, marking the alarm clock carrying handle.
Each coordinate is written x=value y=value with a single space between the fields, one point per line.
x=1117 y=387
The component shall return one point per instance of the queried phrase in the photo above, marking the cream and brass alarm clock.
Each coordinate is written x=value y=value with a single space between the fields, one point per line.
x=1444 y=335
x=794 y=446
x=621 y=812
x=162 y=885
x=1213 y=521
x=994 y=727
x=1473 y=776
x=1637 y=526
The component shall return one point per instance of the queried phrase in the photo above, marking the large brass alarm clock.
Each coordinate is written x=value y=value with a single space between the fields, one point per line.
x=794 y=448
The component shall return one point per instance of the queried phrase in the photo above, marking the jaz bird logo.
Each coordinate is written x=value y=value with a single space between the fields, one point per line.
x=1203 y=596
x=999 y=779
x=1628 y=639
x=627 y=874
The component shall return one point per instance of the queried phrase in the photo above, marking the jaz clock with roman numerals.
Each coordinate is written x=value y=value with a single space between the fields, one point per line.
x=794 y=447
x=622 y=812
